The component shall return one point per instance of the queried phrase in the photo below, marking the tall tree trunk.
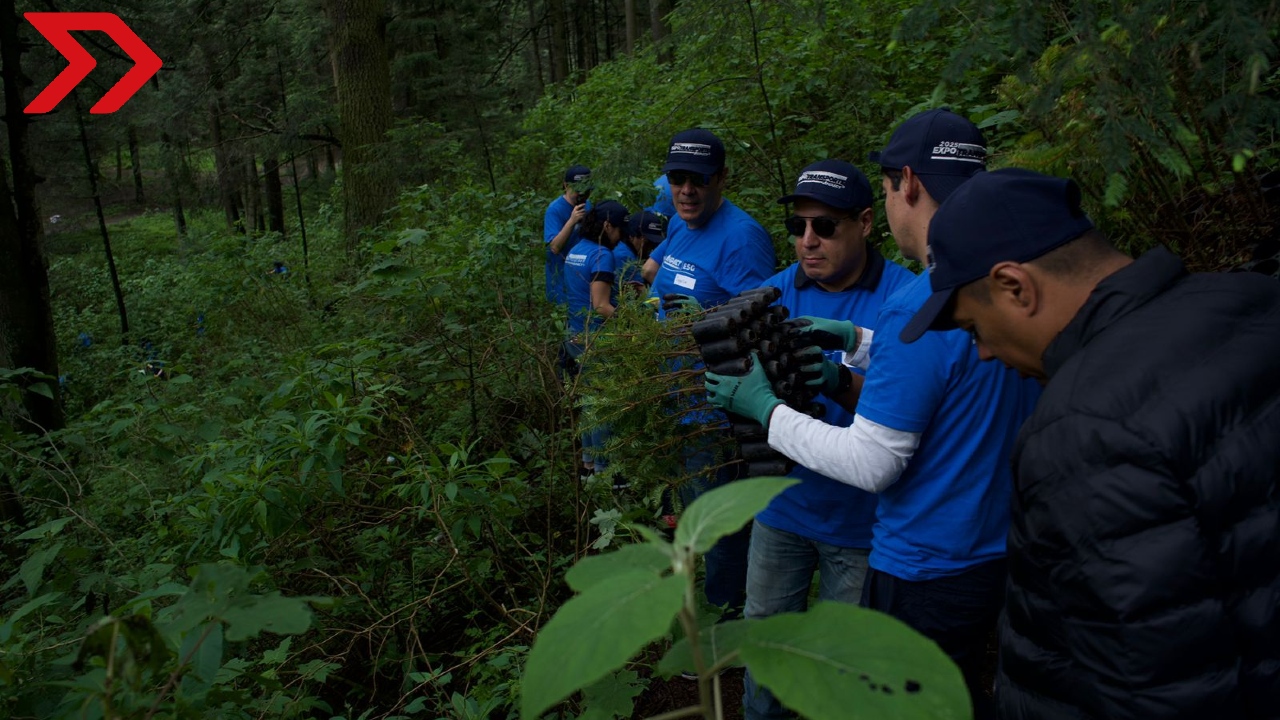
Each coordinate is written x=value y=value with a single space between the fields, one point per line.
x=223 y=164
x=629 y=7
x=313 y=169
x=135 y=163
x=252 y=195
x=173 y=179
x=102 y=222
x=537 y=47
x=331 y=163
x=559 y=41
x=26 y=313
x=659 y=29
x=357 y=36
x=580 y=32
x=275 y=195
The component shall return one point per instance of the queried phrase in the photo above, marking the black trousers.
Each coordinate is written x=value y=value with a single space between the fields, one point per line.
x=957 y=612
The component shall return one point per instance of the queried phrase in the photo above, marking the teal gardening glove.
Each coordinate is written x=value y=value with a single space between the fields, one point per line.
x=748 y=395
x=675 y=302
x=825 y=375
x=826 y=333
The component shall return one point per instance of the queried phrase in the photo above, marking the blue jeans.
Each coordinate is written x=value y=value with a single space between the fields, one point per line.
x=726 y=561
x=779 y=575
x=957 y=612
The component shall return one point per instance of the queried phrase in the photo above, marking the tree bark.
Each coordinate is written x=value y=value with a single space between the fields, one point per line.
x=536 y=46
x=580 y=34
x=659 y=29
x=252 y=196
x=357 y=36
x=135 y=163
x=223 y=164
x=275 y=194
x=630 y=9
x=174 y=180
x=26 y=312
x=559 y=41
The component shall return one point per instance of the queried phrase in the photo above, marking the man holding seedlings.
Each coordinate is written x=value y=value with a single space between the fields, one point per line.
x=933 y=429
x=713 y=251
x=1144 y=572
x=559 y=226
x=821 y=524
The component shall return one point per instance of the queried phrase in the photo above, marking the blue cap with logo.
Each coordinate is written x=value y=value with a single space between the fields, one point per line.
x=943 y=148
x=695 y=150
x=1005 y=215
x=612 y=212
x=832 y=182
x=577 y=174
x=649 y=225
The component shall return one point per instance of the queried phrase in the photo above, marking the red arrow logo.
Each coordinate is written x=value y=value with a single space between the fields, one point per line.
x=56 y=27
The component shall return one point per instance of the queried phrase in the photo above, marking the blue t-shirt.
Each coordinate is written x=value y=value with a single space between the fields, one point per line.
x=820 y=508
x=664 y=203
x=949 y=511
x=659 y=252
x=587 y=262
x=715 y=262
x=553 y=221
x=627 y=264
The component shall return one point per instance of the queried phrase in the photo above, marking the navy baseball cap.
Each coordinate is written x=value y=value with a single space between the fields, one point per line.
x=832 y=182
x=1005 y=215
x=651 y=226
x=943 y=148
x=577 y=174
x=695 y=150
x=611 y=211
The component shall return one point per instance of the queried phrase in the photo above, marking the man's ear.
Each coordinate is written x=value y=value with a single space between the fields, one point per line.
x=1011 y=283
x=910 y=186
x=867 y=218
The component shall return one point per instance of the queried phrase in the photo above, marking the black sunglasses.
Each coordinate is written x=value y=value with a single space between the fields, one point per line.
x=680 y=177
x=823 y=226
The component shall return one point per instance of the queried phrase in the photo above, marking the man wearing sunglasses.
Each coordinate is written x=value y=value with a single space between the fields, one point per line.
x=559 y=227
x=713 y=251
x=821 y=524
x=933 y=430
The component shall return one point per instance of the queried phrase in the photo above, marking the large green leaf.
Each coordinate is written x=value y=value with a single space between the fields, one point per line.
x=725 y=510
x=595 y=633
x=599 y=568
x=202 y=650
x=612 y=697
x=271 y=613
x=717 y=642
x=842 y=662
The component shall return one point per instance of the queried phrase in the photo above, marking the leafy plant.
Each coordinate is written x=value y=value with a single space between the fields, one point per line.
x=834 y=662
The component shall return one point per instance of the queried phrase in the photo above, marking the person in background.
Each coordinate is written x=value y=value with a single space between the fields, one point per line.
x=559 y=227
x=820 y=525
x=663 y=205
x=592 y=295
x=645 y=230
x=649 y=270
x=1144 y=552
x=713 y=251
x=933 y=427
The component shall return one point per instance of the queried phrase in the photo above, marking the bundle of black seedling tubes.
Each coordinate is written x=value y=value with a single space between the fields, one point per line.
x=727 y=334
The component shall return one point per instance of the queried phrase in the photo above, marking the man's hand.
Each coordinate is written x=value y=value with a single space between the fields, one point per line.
x=823 y=374
x=575 y=217
x=675 y=302
x=826 y=333
x=748 y=395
